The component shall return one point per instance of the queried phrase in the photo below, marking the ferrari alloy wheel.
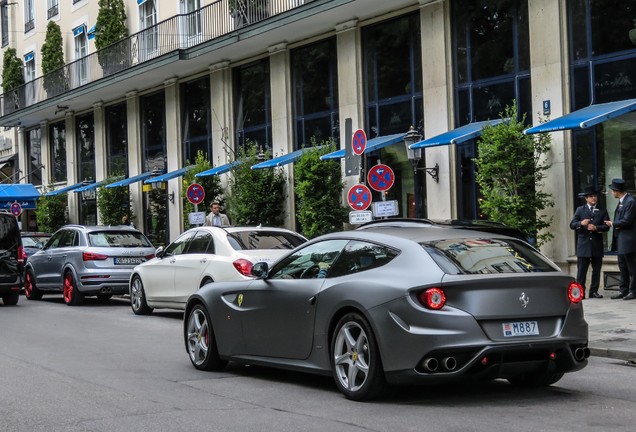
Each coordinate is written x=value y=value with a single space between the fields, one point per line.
x=355 y=359
x=138 y=298
x=200 y=342
x=31 y=292
x=72 y=296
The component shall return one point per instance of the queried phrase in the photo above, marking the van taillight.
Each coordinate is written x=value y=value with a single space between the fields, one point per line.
x=22 y=256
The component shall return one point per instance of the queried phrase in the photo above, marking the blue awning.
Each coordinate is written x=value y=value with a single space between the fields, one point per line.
x=373 y=144
x=91 y=33
x=129 y=180
x=168 y=176
x=89 y=186
x=217 y=170
x=29 y=56
x=23 y=193
x=64 y=189
x=285 y=159
x=79 y=30
x=456 y=136
x=586 y=117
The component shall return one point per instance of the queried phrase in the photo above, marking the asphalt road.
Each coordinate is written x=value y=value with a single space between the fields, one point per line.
x=98 y=367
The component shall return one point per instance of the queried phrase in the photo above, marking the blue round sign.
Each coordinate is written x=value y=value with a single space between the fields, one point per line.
x=195 y=193
x=359 y=197
x=359 y=142
x=16 y=209
x=381 y=177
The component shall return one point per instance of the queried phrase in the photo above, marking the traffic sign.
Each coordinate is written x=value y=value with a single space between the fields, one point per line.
x=381 y=177
x=195 y=193
x=359 y=197
x=360 y=217
x=359 y=142
x=16 y=209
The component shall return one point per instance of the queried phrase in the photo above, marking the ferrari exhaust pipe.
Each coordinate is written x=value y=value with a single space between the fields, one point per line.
x=579 y=354
x=430 y=364
x=586 y=352
x=449 y=363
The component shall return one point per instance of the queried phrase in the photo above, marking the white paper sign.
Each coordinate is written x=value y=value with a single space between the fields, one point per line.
x=196 y=218
x=360 y=217
x=385 y=208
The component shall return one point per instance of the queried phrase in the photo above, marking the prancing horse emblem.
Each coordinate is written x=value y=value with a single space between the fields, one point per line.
x=240 y=299
x=524 y=299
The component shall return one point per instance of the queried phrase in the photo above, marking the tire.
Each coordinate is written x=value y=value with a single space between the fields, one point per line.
x=31 y=292
x=11 y=299
x=201 y=342
x=138 y=298
x=355 y=359
x=541 y=379
x=72 y=297
x=104 y=297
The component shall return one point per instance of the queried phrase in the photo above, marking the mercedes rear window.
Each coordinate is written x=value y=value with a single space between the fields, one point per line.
x=123 y=239
x=249 y=240
x=483 y=256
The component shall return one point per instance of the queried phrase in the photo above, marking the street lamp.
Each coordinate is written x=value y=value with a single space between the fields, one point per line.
x=415 y=155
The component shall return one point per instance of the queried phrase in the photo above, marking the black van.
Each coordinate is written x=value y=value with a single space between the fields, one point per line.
x=12 y=257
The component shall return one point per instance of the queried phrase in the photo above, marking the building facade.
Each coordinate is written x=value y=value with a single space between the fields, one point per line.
x=200 y=75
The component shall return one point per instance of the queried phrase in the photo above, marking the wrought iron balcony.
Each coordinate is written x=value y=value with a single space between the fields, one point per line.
x=29 y=25
x=53 y=11
x=179 y=32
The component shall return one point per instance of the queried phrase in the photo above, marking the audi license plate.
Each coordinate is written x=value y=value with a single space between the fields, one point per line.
x=521 y=328
x=129 y=260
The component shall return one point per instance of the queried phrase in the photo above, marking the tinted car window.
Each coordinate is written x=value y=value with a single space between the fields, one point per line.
x=358 y=256
x=123 y=239
x=178 y=246
x=306 y=262
x=202 y=243
x=481 y=256
x=68 y=239
x=248 y=240
x=8 y=232
x=55 y=239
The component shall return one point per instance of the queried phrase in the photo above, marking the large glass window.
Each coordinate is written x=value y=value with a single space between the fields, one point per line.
x=153 y=133
x=85 y=141
x=29 y=15
x=4 y=22
x=492 y=58
x=34 y=150
x=57 y=145
x=117 y=139
x=253 y=116
x=81 y=51
x=315 y=86
x=195 y=119
x=393 y=97
x=602 y=41
x=29 y=75
x=148 y=39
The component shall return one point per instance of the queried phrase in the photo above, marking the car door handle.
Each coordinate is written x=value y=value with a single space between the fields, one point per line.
x=172 y=261
x=203 y=260
x=312 y=300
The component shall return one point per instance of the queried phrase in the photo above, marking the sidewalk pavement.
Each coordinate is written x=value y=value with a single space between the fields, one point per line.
x=612 y=326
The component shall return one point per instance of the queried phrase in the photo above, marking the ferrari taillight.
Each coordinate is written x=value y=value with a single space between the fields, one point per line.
x=243 y=266
x=575 y=292
x=433 y=298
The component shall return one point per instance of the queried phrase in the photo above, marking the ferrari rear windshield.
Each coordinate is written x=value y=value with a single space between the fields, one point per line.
x=482 y=256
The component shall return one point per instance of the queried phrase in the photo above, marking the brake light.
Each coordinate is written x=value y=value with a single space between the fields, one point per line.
x=22 y=256
x=575 y=292
x=149 y=257
x=91 y=256
x=433 y=298
x=243 y=266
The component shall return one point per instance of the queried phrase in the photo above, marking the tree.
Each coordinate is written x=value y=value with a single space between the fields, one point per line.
x=511 y=168
x=53 y=60
x=256 y=196
x=211 y=185
x=12 y=79
x=318 y=186
x=113 y=203
x=110 y=29
x=51 y=212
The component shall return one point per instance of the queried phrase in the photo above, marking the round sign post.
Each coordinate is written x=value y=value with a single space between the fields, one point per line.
x=381 y=177
x=359 y=197
x=359 y=142
x=195 y=193
x=16 y=209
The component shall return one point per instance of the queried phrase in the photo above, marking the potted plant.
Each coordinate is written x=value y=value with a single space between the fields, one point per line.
x=110 y=31
x=53 y=71
x=12 y=81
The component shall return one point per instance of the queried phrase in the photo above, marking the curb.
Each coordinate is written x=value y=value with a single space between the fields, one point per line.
x=613 y=353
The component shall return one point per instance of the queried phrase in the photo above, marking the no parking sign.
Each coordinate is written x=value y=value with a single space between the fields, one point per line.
x=16 y=209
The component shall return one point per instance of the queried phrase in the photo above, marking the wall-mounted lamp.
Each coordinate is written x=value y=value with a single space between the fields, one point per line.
x=415 y=155
x=61 y=108
x=171 y=197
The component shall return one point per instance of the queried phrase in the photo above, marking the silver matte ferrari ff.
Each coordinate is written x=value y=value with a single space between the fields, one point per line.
x=397 y=302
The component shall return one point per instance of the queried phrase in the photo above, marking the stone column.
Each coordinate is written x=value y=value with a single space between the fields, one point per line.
x=438 y=89
x=135 y=159
x=222 y=119
x=175 y=157
x=282 y=128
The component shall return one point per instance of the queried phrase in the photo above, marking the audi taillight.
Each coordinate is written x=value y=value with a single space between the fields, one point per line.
x=149 y=257
x=575 y=292
x=91 y=256
x=22 y=256
x=433 y=298
x=243 y=266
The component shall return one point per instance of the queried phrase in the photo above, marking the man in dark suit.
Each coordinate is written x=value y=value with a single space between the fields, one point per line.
x=589 y=223
x=624 y=241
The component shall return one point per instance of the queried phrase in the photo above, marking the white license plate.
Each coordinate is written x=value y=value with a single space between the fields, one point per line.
x=521 y=328
x=129 y=260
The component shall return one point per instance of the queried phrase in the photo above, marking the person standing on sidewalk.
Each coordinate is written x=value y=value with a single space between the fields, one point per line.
x=589 y=222
x=624 y=239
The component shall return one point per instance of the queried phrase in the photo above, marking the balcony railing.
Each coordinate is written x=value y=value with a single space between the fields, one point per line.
x=29 y=25
x=53 y=11
x=176 y=33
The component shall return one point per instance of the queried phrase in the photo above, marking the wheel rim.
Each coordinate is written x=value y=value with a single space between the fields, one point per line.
x=136 y=294
x=28 y=285
x=68 y=288
x=198 y=336
x=351 y=356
